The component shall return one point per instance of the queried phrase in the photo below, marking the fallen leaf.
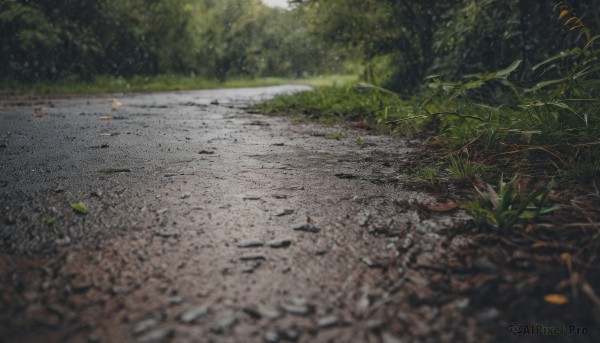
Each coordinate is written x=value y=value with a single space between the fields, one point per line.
x=116 y=104
x=39 y=112
x=106 y=118
x=50 y=221
x=359 y=124
x=445 y=207
x=79 y=207
x=556 y=299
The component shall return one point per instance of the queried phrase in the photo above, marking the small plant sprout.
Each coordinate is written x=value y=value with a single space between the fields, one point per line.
x=501 y=210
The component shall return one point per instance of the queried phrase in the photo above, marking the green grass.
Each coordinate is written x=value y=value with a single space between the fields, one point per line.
x=331 y=104
x=109 y=84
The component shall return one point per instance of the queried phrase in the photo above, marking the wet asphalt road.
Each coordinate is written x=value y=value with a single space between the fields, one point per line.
x=207 y=223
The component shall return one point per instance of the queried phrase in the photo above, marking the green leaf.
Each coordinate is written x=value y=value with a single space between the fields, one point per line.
x=50 y=220
x=505 y=72
x=545 y=83
x=79 y=207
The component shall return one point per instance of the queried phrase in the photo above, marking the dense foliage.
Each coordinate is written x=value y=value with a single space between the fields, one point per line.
x=50 y=39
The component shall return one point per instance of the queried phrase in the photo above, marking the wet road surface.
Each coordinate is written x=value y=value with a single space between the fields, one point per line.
x=206 y=223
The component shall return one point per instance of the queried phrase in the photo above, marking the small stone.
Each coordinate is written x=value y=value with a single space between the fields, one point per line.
x=158 y=336
x=280 y=243
x=327 y=322
x=487 y=316
x=145 y=325
x=389 y=338
x=249 y=268
x=271 y=313
x=272 y=336
x=252 y=312
x=175 y=300
x=251 y=243
x=298 y=310
x=185 y=196
x=484 y=264
x=291 y=334
x=251 y=198
x=194 y=314
x=299 y=307
x=166 y=234
x=375 y=324
x=249 y=257
x=224 y=324
x=60 y=241
x=284 y=212
x=306 y=227
x=118 y=290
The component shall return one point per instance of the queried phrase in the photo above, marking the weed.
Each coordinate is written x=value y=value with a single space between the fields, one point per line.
x=501 y=210
x=337 y=135
x=465 y=170
x=360 y=142
x=429 y=174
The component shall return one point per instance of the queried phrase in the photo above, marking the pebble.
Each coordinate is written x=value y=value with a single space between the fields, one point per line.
x=306 y=227
x=298 y=310
x=487 y=316
x=249 y=268
x=225 y=324
x=327 y=322
x=284 y=212
x=117 y=290
x=145 y=325
x=158 y=336
x=272 y=336
x=175 y=300
x=249 y=257
x=195 y=313
x=375 y=324
x=252 y=312
x=250 y=243
x=271 y=313
x=291 y=334
x=166 y=234
x=389 y=338
x=280 y=243
x=299 y=307
x=185 y=195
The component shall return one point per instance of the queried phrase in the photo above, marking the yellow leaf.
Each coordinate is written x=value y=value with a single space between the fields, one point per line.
x=563 y=13
x=116 y=104
x=539 y=244
x=556 y=299
x=570 y=21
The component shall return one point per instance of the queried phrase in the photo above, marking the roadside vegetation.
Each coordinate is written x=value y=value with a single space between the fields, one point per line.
x=505 y=96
